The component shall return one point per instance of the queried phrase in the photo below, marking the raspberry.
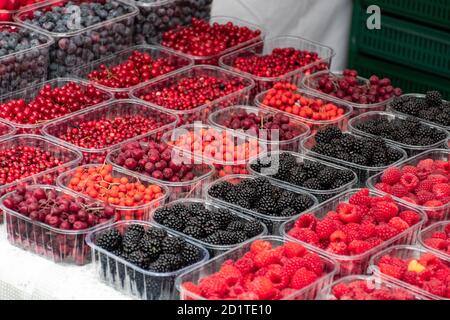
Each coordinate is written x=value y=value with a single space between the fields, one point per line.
x=358 y=246
x=425 y=164
x=248 y=296
x=325 y=228
x=374 y=242
x=278 y=278
x=426 y=185
x=391 y=176
x=375 y=200
x=367 y=230
x=231 y=274
x=314 y=263
x=292 y=249
x=338 y=236
x=437 y=178
x=399 y=224
x=385 y=232
x=392 y=270
x=398 y=190
x=361 y=198
x=305 y=235
x=268 y=257
x=424 y=196
x=340 y=290
x=447 y=229
x=441 y=190
x=307 y=220
x=260 y=245
x=383 y=187
x=244 y=265
x=339 y=248
x=410 y=217
x=263 y=287
x=302 y=278
x=352 y=232
x=384 y=211
x=436 y=243
x=409 y=169
x=192 y=288
x=213 y=286
x=409 y=181
x=410 y=199
x=433 y=204
x=348 y=213
x=439 y=235
x=435 y=287
x=292 y=265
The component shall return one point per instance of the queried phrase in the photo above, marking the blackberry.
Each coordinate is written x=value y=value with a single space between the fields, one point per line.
x=246 y=191
x=190 y=254
x=325 y=149
x=345 y=176
x=167 y=263
x=433 y=98
x=443 y=118
x=196 y=206
x=253 y=228
x=359 y=159
x=285 y=201
x=150 y=246
x=244 y=203
x=266 y=205
x=220 y=190
x=302 y=202
x=156 y=233
x=212 y=226
x=326 y=176
x=288 y=212
x=161 y=214
x=312 y=168
x=337 y=183
x=312 y=184
x=233 y=196
x=226 y=237
x=132 y=237
x=240 y=236
x=213 y=239
x=379 y=159
x=287 y=161
x=139 y=259
x=328 y=134
x=236 y=226
x=172 y=245
x=298 y=176
x=263 y=187
x=172 y=222
x=110 y=240
x=223 y=217
x=195 y=232
x=393 y=155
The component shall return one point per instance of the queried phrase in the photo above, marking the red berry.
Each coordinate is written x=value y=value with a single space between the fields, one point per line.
x=302 y=278
x=391 y=176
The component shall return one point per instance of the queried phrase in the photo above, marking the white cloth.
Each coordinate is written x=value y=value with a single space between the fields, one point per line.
x=324 y=21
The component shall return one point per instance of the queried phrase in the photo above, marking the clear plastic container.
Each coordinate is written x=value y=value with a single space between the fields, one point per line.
x=428 y=232
x=217 y=119
x=30 y=93
x=363 y=172
x=120 y=57
x=130 y=279
x=378 y=116
x=140 y=212
x=371 y=282
x=314 y=125
x=416 y=95
x=6 y=130
x=434 y=213
x=357 y=264
x=272 y=223
x=158 y=16
x=447 y=144
x=206 y=269
x=214 y=59
x=266 y=47
x=58 y=245
x=310 y=83
x=110 y=110
x=403 y=252
x=204 y=174
x=321 y=195
x=71 y=157
x=25 y=67
x=91 y=43
x=223 y=166
x=201 y=112
x=214 y=250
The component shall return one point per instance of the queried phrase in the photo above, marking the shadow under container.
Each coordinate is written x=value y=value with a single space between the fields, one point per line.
x=363 y=172
x=129 y=279
x=411 y=150
x=217 y=119
x=57 y=245
x=110 y=62
x=24 y=67
x=416 y=95
x=80 y=46
x=201 y=112
x=321 y=195
x=30 y=93
x=214 y=59
x=272 y=223
x=156 y=17
x=434 y=213
x=371 y=282
x=214 y=250
x=267 y=46
x=109 y=111
x=404 y=252
x=204 y=174
x=140 y=212
x=71 y=158
x=310 y=83
x=428 y=232
x=356 y=264
x=314 y=125
x=212 y=266
x=222 y=166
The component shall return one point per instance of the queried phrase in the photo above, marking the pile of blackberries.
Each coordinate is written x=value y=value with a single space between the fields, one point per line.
x=216 y=226
x=408 y=131
x=309 y=174
x=262 y=196
x=332 y=142
x=431 y=108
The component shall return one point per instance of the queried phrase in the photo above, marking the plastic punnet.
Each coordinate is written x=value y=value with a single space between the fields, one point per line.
x=427 y=233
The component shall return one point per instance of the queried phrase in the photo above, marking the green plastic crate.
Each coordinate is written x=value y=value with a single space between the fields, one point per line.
x=403 y=42
x=432 y=12
x=410 y=80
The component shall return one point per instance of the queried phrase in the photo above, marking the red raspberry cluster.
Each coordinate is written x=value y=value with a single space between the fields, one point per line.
x=203 y=39
x=139 y=67
x=8 y=7
x=355 y=227
x=440 y=240
x=263 y=273
x=52 y=102
x=284 y=96
x=192 y=92
x=428 y=272
x=280 y=62
x=364 y=290
x=348 y=87
x=23 y=161
x=426 y=184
